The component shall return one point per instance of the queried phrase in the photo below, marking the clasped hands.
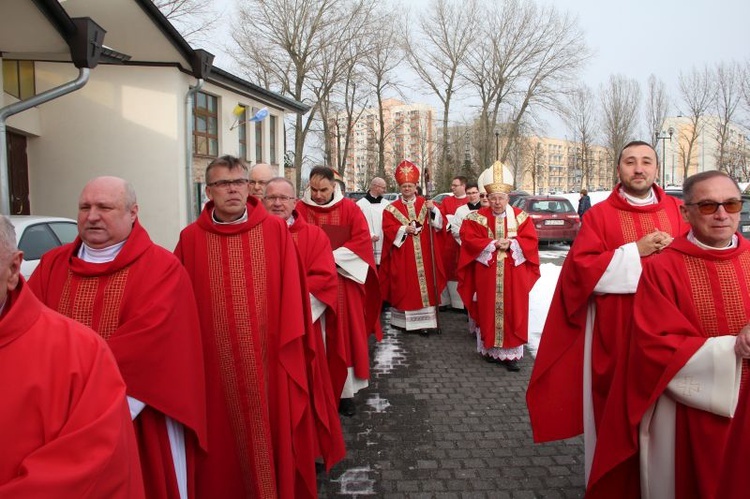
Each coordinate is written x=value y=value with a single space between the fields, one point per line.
x=653 y=242
x=413 y=228
x=502 y=244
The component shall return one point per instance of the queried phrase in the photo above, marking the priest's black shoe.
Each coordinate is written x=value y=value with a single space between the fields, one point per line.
x=512 y=365
x=347 y=407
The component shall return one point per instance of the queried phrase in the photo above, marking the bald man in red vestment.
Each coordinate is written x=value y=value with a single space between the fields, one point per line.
x=133 y=293
x=586 y=332
x=65 y=428
x=249 y=287
x=358 y=310
x=328 y=370
x=410 y=280
x=683 y=409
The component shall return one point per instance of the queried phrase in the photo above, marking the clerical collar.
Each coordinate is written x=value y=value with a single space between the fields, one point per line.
x=732 y=244
x=501 y=215
x=101 y=255
x=408 y=201
x=650 y=199
x=290 y=220
x=240 y=220
x=474 y=206
x=373 y=200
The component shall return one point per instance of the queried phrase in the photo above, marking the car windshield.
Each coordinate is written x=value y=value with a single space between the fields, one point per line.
x=552 y=206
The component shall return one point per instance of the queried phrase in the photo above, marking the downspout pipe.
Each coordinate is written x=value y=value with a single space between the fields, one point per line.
x=18 y=107
x=201 y=63
x=190 y=200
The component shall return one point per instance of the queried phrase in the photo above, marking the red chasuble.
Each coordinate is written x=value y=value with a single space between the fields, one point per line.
x=450 y=246
x=555 y=393
x=327 y=371
x=346 y=227
x=686 y=295
x=247 y=282
x=408 y=278
x=141 y=304
x=502 y=289
x=65 y=429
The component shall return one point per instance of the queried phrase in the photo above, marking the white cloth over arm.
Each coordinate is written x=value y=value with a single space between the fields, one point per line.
x=350 y=265
x=622 y=273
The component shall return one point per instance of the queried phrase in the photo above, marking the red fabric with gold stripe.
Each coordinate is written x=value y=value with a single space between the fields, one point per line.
x=246 y=279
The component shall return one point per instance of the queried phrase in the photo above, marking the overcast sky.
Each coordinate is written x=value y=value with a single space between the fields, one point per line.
x=637 y=38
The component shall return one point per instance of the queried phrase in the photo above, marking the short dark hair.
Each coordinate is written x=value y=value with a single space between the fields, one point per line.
x=689 y=184
x=322 y=171
x=226 y=161
x=461 y=179
x=472 y=185
x=637 y=143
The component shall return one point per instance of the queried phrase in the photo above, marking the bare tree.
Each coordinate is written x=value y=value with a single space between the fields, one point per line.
x=301 y=49
x=580 y=116
x=728 y=98
x=380 y=64
x=194 y=19
x=657 y=107
x=558 y=52
x=620 y=98
x=437 y=50
x=697 y=92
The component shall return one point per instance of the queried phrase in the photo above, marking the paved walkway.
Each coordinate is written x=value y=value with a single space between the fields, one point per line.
x=437 y=421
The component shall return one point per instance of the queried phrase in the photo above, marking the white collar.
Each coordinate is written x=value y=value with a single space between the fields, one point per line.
x=732 y=244
x=101 y=255
x=240 y=220
x=650 y=199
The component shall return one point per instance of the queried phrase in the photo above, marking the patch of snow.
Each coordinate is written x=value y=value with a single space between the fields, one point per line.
x=539 y=301
x=388 y=353
x=377 y=403
x=356 y=482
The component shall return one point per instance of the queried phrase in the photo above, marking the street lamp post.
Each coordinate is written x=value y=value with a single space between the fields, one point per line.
x=663 y=136
x=497 y=145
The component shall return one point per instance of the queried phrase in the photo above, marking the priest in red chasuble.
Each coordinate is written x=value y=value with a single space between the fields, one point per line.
x=411 y=269
x=448 y=206
x=328 y=370
x=684 y=410
x=65 y=427
x=358 y=306
x=136 y=295
x=246 y=278
x=499 y=262
x=587 y=327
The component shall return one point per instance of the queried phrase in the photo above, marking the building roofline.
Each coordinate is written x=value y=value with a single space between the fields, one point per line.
x=226 y=77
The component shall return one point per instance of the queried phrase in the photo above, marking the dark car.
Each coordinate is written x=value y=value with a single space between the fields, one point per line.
x=355 y=195
x=554 y=217
x=514 y=195
x=744 y=227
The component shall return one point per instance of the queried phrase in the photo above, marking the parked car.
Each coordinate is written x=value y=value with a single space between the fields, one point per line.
x=356 y=195
x=744 y=227
x=36 y=235
x=554 y=217
x=514 y=195
x=391 y=196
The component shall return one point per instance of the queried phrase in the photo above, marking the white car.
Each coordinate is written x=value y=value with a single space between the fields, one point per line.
x=35 y=235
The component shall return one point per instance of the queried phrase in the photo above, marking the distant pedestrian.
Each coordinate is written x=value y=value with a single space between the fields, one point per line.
x=584 y=203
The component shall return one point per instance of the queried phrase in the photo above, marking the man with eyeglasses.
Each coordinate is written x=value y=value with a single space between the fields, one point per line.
x=328 y=369
x=324 y=205
x=498 y=266
x=474 y=202
x=260 y=174
x=450 y=297
x=688 y=419
x=249 y=287
x=136 y=295
x=585 y=338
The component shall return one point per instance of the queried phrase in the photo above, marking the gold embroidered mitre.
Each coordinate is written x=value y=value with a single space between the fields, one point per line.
x=493 y=179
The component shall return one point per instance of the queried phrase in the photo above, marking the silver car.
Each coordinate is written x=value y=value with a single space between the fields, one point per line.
x=35 y=235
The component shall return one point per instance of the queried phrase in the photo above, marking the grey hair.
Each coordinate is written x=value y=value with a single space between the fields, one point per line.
x=282 y=180
x=7 y=236
x=689 y=184
x=130 y=199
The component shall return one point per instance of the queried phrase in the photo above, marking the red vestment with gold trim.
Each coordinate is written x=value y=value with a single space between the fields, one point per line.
x=555 y=393
x=408 y=278
x=686 y=296
x=65 y=426
x=358 y=307
x=248 y=285
x=328 y=368
x=141 y=304
x=509 y=283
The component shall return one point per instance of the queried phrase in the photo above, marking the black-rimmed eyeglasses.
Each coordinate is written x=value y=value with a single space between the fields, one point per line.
x=224 y=184
x=710 y=207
